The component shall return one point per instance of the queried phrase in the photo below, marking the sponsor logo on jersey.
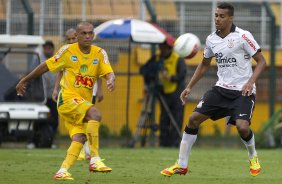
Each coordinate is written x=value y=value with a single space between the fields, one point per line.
x=225 y=61
x=95 y=61
x=78 y=101
x=230 y=43
x=83 y=68
x=84 y=81
x=61 y=51
x=74 y=58
x=249 y=42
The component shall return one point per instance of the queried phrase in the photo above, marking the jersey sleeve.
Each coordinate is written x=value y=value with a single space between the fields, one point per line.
x=249 y=43
x=57 y=62
x=208 y=53
x=104 y=65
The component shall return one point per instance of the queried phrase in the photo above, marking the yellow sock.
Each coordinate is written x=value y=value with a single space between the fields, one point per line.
x=92 y=132
x=72 y=154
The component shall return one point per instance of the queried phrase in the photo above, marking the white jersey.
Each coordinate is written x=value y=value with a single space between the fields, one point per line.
x=233 y=55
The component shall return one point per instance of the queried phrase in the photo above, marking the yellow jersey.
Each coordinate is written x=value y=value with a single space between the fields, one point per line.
x=170 y=65
x=80 y=71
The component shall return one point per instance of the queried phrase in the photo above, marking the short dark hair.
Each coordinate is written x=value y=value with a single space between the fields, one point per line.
x=224 y=5
x=49 y=43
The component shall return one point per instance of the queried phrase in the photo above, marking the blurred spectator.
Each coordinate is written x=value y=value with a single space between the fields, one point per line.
x=166 y=70
x=49 y=83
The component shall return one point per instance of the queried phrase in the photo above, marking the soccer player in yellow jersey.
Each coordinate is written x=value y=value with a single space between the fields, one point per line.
x=71 y=37
x=82 y=64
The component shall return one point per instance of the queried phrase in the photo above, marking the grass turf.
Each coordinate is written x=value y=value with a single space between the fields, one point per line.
x=141 y=166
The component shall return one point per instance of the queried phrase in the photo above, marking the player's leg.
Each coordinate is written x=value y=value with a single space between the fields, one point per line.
x=188 y=139
x=245 y=106
x=207 y=108
x=70 y=112
x=248 y=139
x=78 y=139
x=93 y=117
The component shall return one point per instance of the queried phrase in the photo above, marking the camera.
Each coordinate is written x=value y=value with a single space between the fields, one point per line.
x=150 y=71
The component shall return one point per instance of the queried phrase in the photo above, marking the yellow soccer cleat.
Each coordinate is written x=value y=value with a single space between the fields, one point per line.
x=254 y=166
x=175 y=169
x=63 y=176
x=99 y=166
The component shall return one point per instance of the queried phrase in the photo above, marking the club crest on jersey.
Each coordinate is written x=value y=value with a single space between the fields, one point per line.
x=83 y=68
x=74 y=58
x=84 y=81
x=95 y=61
x=230 y=43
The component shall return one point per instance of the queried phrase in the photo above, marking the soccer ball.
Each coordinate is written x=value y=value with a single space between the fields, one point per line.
x=187 y=45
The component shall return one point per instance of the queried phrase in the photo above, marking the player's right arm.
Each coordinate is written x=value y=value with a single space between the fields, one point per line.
x=38 y=71
x=198 y=74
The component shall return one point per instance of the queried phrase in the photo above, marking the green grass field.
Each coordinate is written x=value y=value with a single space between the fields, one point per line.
x=141 y=166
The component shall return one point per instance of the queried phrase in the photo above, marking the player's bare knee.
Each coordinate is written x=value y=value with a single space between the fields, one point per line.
x=79 y=138
x=243 y=128
x=93 y=114
x=193 y=122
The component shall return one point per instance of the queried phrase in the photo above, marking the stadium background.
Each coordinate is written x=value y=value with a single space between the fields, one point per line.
x=53 y=17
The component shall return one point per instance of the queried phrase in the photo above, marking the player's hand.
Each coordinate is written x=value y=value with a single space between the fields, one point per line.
x=20 y=88
x=247 y=89
x=184 y=95
x=111 y=84
x=55 y=95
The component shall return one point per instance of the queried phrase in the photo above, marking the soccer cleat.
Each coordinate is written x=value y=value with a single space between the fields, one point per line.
x=63 y=176
x=254 y=166
x=99 y=166
x=175 y=169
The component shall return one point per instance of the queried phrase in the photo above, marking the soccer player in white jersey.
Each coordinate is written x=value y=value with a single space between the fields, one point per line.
x=234 y=92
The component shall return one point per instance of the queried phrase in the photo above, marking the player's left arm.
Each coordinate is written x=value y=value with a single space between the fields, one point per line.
x=100 y=95
x=110 y=77
x=260 y=60
x=106 y=71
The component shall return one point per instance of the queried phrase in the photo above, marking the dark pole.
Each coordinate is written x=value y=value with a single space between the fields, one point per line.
x=128 y=89
x=30 y=22
x=272 y=75
x=153 y=19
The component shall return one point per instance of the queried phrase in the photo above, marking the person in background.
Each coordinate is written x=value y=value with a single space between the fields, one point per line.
x=49 y=83
x=170 y=81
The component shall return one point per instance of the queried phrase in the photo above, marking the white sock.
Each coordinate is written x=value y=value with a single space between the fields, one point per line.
x=94 y=159
x=62 y=170
x=250 y=145
x=185 y=148
x=86 y=148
